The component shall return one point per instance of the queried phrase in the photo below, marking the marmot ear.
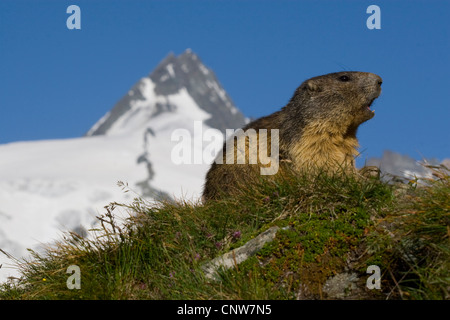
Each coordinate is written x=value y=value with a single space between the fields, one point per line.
x=313 y=86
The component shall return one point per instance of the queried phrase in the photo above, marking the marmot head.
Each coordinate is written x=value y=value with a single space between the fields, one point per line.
x=341 y=100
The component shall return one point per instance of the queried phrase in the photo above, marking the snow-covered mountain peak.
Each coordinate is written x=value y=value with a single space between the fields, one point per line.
x=173 y=78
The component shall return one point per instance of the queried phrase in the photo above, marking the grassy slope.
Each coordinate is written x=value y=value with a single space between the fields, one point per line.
x=329 y=225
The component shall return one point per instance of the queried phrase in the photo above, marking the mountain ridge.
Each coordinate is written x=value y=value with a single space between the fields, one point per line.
x=170 y=76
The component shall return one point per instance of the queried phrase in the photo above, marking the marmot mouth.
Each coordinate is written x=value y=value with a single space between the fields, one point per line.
x=367 y=106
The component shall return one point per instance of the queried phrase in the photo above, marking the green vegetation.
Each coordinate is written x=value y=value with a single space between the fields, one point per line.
x=328 y=226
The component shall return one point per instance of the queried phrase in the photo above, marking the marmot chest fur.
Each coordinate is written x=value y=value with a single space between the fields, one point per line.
x=315 y=130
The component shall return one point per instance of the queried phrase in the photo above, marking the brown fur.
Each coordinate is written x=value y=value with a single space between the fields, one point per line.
x=317 y=130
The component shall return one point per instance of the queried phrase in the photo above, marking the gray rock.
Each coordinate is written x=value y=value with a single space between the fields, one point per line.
x=236 y=256
x=341 y=285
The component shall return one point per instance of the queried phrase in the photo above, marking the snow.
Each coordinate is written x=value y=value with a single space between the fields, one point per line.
x=169 y=68
x=164 y=77
x=51 y=186
x=184 y=68
x=98 y=123
x=203 y=69
x=142 y=110
x=190 y=108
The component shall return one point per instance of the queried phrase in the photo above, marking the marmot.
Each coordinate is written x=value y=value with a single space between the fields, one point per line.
x=316 y=129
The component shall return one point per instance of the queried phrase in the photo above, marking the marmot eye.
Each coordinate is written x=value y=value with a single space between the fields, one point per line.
x=344 y=78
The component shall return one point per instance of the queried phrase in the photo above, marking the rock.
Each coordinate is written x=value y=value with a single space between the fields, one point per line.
x=236 y=256
x=341 y=285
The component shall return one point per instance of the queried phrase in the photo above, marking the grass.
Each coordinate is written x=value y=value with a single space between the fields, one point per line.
x=329 y=225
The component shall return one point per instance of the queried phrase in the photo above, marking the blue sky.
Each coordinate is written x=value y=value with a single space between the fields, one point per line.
x=56 y=83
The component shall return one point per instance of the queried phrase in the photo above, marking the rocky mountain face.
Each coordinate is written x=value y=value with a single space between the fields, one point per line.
x=185 y=72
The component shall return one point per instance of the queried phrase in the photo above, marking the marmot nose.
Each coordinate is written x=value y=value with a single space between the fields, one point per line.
x=375 y=79
x=379 y=80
